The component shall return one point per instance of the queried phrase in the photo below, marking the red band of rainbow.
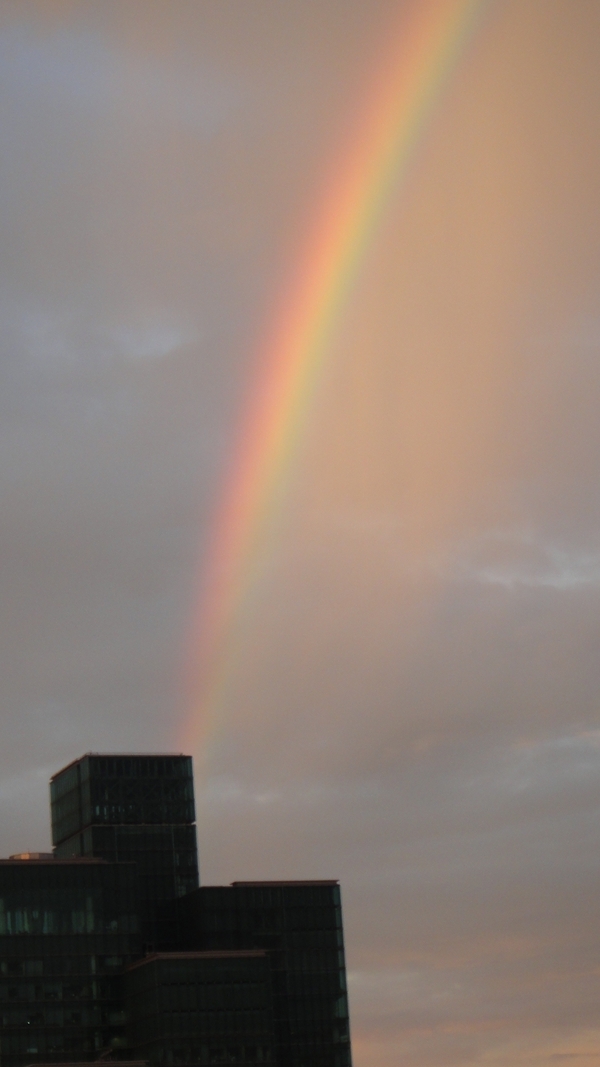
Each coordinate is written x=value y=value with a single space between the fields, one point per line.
x=427 y=44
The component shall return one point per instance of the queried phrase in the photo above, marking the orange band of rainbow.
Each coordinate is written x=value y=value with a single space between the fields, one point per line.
x=426 y=47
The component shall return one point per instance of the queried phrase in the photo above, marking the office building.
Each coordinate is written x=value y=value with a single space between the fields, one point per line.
x=201 y=1008
x=137 y=809
x=299 y=925
x=68 y=928
x=110 y=950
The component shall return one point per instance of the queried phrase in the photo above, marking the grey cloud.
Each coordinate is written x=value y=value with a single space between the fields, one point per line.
x=513 y=558
x=54 y=338
x=76 y=70
x=152 y=340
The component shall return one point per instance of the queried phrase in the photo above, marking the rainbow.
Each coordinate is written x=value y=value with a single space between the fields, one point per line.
x=426 y=46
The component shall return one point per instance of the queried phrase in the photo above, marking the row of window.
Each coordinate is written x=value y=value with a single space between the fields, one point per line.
x=78 y=1041
x=176 y=835
x=198 y=972
x=25 y=920
x=210 y=1054
x=88 y=1016
x=146 y=1008
x=30 y=882
x=259 y=920
x=312 y=1015
x=303 y=1056
x=92 y=767
x=53 y=991
x=137 y=767
x=64 y=965
x=207 y=998
x=117 y=789
x=71 y=823
x=169 y=1024
x=310 y=983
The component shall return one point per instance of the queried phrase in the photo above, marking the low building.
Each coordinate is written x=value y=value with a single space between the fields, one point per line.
x=68 y=928
x=201 y=1008
x=299 y=925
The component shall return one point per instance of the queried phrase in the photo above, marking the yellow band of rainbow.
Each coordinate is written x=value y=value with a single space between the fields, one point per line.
x=426 y=46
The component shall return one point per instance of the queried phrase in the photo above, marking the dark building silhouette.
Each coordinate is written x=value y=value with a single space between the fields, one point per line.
x=109 y=949
x=201 y=1007
x=299 y=924
x=137 y=809
x=68 y=928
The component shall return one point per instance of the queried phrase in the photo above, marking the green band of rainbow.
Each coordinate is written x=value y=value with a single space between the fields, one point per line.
x=426 y=46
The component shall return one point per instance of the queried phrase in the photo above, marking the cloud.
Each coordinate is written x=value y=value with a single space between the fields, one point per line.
x=80 y=71
x=152 y=340
x=58 y=337
x=521 y=558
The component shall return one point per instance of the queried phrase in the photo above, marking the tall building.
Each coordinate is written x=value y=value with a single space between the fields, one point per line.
x=137 y=809
x=109 y=949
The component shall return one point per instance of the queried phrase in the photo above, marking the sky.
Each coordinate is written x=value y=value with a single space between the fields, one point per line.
x=412 y=706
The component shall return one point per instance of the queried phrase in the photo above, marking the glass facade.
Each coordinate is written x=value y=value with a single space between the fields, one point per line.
x=299 y=924
x=121 y=789
x=108 y=947
x=67 y=929
x=201 y=1008
x=135 y=809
